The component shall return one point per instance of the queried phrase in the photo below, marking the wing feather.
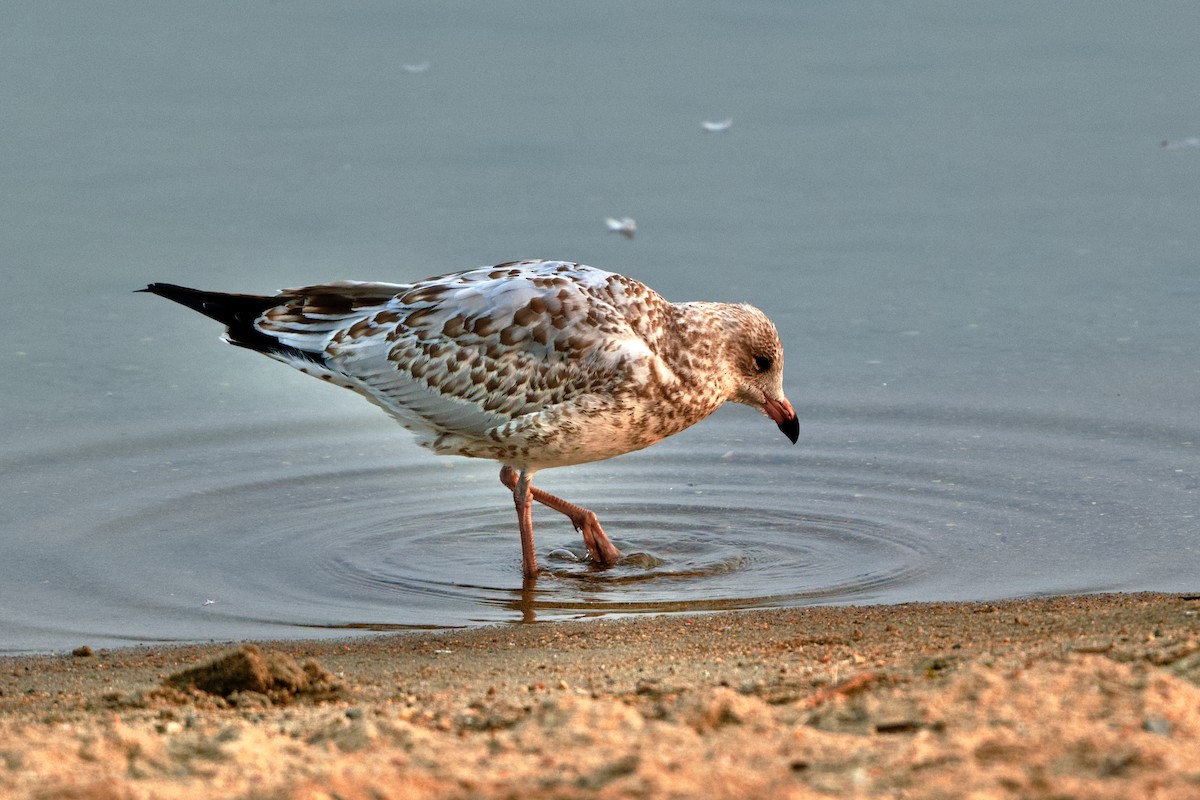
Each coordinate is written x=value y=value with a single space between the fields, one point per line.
x=468 y=352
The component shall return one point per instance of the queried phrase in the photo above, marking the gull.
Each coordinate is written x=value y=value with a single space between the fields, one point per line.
x=626 y=226
x=717 y=127
x=416 y=68
x=532 y=364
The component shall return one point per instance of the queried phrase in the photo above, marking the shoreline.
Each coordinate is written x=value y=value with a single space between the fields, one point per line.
x=1081 y=695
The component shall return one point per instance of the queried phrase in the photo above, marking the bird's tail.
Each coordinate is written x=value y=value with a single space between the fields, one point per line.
x=238 y=312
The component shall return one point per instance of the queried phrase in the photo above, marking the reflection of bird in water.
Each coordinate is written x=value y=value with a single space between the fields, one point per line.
x=533 y=364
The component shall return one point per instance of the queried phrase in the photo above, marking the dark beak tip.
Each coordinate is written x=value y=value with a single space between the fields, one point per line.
x=791 y=429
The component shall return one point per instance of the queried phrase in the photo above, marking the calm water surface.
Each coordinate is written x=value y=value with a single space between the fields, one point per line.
x=981 y=259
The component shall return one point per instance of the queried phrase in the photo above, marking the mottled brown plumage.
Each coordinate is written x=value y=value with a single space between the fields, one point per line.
x=533 y=364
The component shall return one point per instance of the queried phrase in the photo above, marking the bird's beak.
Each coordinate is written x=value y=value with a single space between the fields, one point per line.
x=781 y=412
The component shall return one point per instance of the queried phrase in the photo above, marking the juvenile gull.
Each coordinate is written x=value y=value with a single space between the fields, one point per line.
x=533 y=364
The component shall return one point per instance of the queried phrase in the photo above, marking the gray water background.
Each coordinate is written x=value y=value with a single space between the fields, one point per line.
x=982 y=261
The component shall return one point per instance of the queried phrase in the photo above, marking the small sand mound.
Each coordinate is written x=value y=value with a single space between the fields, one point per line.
x=248 y=670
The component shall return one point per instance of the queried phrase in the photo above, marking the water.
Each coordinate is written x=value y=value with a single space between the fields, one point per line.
x=980 y=257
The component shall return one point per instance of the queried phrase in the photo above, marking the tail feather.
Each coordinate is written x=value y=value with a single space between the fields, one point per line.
x=238 y=312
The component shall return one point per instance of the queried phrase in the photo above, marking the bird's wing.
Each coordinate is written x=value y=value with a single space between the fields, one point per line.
x=467 y=352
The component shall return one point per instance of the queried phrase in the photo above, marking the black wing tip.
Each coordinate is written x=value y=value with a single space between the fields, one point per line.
x=195 y=299
x=167 y=289
x=238 y=313
x=231 y=309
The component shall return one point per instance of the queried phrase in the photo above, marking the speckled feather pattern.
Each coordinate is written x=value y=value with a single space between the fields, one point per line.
x=534 y=364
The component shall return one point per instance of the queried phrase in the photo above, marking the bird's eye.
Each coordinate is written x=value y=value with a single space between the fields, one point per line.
x=762 y=363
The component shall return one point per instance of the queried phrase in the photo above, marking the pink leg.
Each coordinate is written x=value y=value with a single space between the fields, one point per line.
x=601 y=549
x=523 y=499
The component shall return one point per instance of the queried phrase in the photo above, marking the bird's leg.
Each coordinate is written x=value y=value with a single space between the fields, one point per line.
x=599 y=546
x=602 y=550
x=523 y=498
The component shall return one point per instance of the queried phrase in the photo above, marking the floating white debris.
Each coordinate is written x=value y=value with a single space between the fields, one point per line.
x=626 y=226
x=717 y=127
x=1179 y=144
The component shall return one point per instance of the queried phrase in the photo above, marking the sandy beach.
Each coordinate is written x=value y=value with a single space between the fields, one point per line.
x=1088 y=696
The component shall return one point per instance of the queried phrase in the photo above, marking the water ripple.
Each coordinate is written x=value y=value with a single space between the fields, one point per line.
x=332 y=526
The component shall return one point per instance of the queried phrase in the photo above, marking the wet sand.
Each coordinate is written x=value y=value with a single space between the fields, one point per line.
x=1091 y=697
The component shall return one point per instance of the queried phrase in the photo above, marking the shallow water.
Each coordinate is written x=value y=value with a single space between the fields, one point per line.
x=979 y=255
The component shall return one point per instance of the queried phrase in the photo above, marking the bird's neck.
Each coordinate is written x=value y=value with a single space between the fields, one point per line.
x=704 y=327
x=699 y=334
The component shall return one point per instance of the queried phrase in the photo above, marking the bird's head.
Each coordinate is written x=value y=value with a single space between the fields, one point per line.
x=756 y=356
